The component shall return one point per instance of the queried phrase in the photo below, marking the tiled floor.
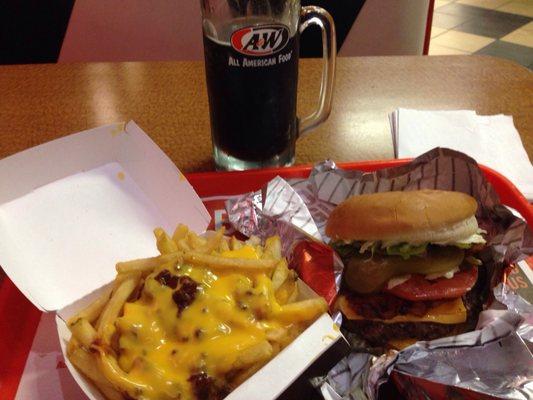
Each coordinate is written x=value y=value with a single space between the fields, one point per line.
x=501 y=28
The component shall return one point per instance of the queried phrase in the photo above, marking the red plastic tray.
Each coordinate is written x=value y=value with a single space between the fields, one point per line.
x=19 y=318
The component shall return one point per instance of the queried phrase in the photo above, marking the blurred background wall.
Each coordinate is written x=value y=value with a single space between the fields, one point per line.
x=32 y=31
x=133 y=30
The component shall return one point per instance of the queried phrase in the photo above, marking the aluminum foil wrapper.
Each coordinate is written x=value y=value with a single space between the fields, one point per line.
x=492 y=360
x=495 y=360
x=280 y=209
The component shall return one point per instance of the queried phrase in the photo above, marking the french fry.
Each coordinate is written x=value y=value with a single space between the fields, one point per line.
x=93 y=310
x=276 y=348
x=276 y=334
x=235 y=244
x=183 y=245
x=72 y=345
x=246 y=373
x=146 y=264
x=121 y=277
x=117 y=300
x=115 y=375
x=253 y=241
x=217 y=262
x=195 y=242
x=259 y=300
x=259 y=352
x=109 y=392
x=224 y=245
x=83 y=331
x=164 y=243
x=280 y=274
x=293 y=293
x=292 y=333
x=272 y=248
x=259 y=251
x=305 y=310
x=85 y=362
x=288 y=291
x=213 y=241
x=180 y=233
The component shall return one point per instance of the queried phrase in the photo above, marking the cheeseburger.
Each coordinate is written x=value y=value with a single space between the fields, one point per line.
x=410 y=264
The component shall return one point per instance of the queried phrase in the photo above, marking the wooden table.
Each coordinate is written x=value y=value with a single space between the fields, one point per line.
x=168 y=100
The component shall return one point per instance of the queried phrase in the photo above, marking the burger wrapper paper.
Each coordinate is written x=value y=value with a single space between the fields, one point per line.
x=492 y=361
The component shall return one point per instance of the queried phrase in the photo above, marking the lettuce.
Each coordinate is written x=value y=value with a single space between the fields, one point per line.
x=346 y=250
x=372 y=245
x=467 y=242
x=349 y=249
x=406 y=250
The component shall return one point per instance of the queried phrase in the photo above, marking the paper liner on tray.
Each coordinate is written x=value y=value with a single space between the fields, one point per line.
x=297 y=210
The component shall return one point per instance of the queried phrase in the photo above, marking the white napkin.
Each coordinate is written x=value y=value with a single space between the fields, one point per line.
x=490 y=140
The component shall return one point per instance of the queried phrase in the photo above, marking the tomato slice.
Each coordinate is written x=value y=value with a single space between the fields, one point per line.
x=417 y=288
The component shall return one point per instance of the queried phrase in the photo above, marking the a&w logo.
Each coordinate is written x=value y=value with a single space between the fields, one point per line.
x=260 y=40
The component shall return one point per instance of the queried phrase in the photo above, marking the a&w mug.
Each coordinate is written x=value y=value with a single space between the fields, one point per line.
x=251 y=61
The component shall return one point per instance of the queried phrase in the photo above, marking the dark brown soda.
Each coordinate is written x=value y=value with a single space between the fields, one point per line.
x=252 y=108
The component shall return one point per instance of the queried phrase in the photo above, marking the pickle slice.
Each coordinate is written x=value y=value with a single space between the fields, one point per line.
x=367 y=274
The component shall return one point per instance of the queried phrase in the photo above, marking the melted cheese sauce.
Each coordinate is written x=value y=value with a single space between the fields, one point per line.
x=231 y=313
x=449 y=312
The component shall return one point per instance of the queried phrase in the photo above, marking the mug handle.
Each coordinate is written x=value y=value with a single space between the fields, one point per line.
x=313 y=15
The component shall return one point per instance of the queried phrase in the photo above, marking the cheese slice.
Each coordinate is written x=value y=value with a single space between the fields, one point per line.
x=400 y=344
x=450 y=312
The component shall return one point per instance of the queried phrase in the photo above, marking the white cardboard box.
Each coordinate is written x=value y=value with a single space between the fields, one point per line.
x=72 y=208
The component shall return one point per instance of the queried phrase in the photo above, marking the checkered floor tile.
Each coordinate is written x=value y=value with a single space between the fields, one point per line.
x=501 y=28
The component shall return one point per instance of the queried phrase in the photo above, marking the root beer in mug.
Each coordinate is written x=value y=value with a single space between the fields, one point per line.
x=251 y=61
